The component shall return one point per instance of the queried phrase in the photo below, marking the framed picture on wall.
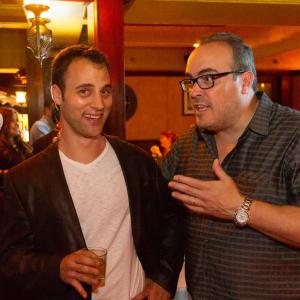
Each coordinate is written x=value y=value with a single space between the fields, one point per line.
x=187 y=108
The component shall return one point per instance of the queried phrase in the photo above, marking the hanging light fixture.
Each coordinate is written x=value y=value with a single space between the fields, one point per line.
x=39 y=37
x=21 y=97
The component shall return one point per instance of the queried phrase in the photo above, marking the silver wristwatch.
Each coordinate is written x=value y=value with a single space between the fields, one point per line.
x=241 y=216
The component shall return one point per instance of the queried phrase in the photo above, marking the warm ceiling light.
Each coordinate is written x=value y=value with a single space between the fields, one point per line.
x=20 y=97
x=9 y=70
x=196 y=45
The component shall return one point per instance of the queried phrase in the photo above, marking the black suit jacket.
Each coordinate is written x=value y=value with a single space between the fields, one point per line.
x=39 y=224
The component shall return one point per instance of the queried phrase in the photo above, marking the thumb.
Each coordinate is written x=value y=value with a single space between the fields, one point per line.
x=218 y=170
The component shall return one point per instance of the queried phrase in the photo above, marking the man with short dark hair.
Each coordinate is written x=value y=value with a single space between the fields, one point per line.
x=238 y=175
x=86 y=190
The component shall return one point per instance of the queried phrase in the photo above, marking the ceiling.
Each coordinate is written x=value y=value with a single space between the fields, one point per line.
x=272 y=28
x=166 y=27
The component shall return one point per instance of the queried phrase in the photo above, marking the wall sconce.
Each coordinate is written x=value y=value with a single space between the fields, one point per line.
x=20 y=97
x=39 y=37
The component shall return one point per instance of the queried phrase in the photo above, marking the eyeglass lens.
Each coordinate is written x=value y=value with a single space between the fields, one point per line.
x=204 y=82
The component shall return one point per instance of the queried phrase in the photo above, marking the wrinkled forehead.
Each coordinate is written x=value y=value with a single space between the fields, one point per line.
x=212 y=57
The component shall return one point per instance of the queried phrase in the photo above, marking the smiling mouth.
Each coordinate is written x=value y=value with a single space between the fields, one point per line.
x=200 y=106
x=93 y=117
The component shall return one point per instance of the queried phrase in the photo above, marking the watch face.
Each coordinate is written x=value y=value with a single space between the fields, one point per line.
x=242 y=217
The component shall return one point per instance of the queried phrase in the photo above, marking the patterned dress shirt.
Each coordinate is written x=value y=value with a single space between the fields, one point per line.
x=226 y=262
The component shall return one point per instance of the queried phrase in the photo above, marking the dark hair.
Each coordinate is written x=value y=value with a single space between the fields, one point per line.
x=170 y=135
x=7 y=114
x=21 y=147
x=65 y=57
x=242 y=53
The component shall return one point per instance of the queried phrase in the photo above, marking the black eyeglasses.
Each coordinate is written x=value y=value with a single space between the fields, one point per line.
x=206 y=81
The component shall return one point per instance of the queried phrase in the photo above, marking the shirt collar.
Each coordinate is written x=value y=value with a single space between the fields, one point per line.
x=261 y=118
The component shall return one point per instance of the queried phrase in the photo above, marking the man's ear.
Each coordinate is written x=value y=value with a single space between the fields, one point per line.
x=56 y=94
x=247 y=81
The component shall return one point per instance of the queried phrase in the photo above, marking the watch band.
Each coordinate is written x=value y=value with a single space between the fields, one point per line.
x=241 y=216
x=246 y=204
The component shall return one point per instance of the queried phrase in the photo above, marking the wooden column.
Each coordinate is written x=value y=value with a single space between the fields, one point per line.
x=109 y=38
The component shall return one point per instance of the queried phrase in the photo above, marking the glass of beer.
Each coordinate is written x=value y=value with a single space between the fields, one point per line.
x=101 y=257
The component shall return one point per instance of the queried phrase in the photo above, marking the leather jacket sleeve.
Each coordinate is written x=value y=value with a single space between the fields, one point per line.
x=20 y=260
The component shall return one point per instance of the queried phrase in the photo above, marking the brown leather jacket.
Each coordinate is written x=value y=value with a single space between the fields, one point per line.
x=39 y=224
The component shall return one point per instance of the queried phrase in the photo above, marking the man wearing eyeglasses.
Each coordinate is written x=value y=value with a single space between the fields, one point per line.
x=237 y=174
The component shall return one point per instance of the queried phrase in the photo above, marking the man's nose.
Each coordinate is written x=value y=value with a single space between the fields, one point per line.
x=98 y=101
x=195 y=90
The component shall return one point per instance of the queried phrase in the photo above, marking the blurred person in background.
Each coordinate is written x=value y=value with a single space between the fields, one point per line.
x=51 y=137
x=13 y=149
x=166 y=139
x=44 y=125
x=44 y=141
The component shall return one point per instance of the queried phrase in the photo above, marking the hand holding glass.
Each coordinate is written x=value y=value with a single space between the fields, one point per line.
x=101 y=255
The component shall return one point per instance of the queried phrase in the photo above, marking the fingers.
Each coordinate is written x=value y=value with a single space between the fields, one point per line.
x=188 y=181
x=193 y=182
x=77 y=267
x=83 y=263
x=184 y=192
x=193 y=186
x=82 y=277
x=186 y=185
x=186 y=199
x=79 y=288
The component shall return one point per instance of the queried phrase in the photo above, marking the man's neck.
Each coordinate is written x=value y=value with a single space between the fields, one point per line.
x=81 y=149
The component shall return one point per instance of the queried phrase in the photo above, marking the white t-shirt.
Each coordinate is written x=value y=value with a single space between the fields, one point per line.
x=100 y=197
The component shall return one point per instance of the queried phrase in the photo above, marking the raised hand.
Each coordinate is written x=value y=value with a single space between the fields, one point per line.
x=219 y=198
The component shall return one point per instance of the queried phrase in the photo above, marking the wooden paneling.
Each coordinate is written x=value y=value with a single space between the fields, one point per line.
x=159 y=107
x=159 y=101
x=12 y=49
